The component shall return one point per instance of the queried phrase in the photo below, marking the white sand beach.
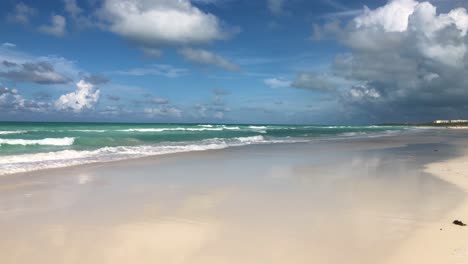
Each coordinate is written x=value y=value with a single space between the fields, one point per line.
x=442 y=241
x=367 y=200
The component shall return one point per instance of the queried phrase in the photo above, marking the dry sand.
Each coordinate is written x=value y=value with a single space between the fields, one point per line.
x=441 y=241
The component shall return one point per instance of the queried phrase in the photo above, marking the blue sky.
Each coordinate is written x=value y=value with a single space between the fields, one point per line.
x=235 y=61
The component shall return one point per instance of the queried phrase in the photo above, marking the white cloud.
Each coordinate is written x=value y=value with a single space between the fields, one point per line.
x=40 y=73
x=410 y=23
x=56 y=28
x=21 y=14
x=411 y=58
x=10 y=99
x=160 y=23
x=11 y=102
x=392 y=17
x=8 y=45
x=85 y=97
x=62 y=65
x=362 y=92
x=163 y=110
x=202 y=56
x=156 y=69
x=277 y=83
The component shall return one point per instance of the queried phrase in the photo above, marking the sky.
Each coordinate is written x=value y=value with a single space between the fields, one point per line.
x=234 y=61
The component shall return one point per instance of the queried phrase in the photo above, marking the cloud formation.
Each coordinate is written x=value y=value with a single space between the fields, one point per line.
x=12 y=102
x=57 y=26
x=85 y=97
x=10 y=99
x=277 y=83
x=205 y=57
x=407 y=61
x=275 y=6
x=313 y=81
x=160 y=23
x=155 y=69
x=216 y=109
x=163 y=111
x=8 y=45
x=21 y=14
x=40 y=73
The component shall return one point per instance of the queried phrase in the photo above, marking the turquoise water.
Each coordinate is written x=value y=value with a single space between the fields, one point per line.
x=32 y=146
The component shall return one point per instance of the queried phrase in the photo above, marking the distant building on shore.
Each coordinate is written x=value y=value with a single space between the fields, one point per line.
x=449 y=121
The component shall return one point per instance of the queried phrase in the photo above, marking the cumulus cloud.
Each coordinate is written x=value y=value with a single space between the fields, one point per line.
x=160 y=23
x=408 y=60
x=202 y=56
x=85 y=97
x=277 y=83
x=21 y=14
x=11 y=102
x=56 y=28
x=363 y=92
x=155 y=25
x=40 y=73
x=10 y=99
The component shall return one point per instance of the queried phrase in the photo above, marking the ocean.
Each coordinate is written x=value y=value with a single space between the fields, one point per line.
x=33 y=146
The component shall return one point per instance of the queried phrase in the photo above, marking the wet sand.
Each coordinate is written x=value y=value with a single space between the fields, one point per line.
x=441 y=241
x=330 y=201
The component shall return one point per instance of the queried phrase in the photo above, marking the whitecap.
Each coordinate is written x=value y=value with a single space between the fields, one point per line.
x=12 y=132
x=66 y=141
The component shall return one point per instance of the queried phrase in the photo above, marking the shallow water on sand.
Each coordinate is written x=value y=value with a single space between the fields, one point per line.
x=342 y=201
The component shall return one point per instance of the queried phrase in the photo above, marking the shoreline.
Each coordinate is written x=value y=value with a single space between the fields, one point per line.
x=441 y=241
x=226 y=147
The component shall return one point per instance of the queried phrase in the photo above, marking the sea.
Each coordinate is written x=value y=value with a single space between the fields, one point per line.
x=26 y=147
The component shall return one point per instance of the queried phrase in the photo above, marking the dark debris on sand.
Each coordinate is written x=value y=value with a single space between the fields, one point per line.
x=458 y=222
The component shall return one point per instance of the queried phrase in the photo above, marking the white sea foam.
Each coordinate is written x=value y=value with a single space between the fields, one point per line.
x=231 y=127
x=66 y=141
x=251 y=140
x=89 y=130
x=353 y=134
x=31 y=162
x=191 y=129
x=12 y=132
x=258 y=127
